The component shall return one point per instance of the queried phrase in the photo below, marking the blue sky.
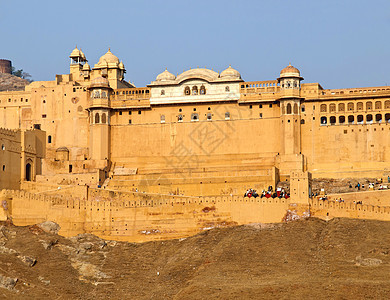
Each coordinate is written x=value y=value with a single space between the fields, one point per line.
x=339 y=44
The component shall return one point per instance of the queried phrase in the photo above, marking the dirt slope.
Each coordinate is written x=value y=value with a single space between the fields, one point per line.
x=340 y=259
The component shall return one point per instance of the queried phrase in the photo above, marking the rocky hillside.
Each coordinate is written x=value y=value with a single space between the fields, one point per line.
x=9 y=82
x=306 y=259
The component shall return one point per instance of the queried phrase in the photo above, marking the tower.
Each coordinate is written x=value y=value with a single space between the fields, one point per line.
x=99 y=119
x=77 y=61
x=290 y=102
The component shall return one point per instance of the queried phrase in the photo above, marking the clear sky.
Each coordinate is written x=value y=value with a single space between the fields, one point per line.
x=339 y=44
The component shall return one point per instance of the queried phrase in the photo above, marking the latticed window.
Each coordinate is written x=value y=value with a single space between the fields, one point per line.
x=332 y=107
x=387 y=104
x=378 y=105
x=202 y=90
x=341 y=107
x=289 y=108
x=359 y=106
x=350 y=106
x=323 y=108
x=369 y=105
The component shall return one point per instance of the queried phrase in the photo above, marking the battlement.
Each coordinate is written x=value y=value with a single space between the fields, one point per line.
x=8 y=132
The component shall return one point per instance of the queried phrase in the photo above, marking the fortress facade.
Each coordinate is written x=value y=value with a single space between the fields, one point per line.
x=198 y=134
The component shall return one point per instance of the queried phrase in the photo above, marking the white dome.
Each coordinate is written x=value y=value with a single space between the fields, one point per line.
x=165 y=76
x=230 y=73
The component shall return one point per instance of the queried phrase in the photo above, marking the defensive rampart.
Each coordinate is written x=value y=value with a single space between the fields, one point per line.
x=139 y=217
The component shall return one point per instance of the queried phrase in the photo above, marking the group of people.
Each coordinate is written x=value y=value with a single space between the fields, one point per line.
x=270 y=193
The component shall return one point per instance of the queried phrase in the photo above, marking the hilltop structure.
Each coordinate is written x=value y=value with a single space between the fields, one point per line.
x=198 y=134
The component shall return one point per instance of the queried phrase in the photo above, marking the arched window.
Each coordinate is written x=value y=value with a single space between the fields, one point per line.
x=195 y=90
x=180 y=118
x=288 y=108
x=369 y=105
x=351 y=119
x=332 y=107
x=350 y=106
x=387 y=104
x=378 y=118
x=227 y=89
x=202 y=90
x=369 y=118
x=49 y=139
x=302 y=121
x=295 y=108
x=194 y=117
x=359 y=106
x=341 y=119
x=324 y=120
x=162 y=118
x=187 y=91
x=387 y=118
x=323 y=108
x=209 y=116
x=360 y=119
x=162 y=92
x=104 y=94
x=341 y=107
x=97 y=118
x=227 y=115
x=96 y=94
x=378 y=105
x=302 y=108
x=332 y=120
x=104 y=118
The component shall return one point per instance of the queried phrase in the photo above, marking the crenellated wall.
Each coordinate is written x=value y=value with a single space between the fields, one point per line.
x=139 y=217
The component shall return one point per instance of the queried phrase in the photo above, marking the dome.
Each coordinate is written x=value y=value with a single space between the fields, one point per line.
x=75 y=53
x=86 y=67
x=205 y=74
x=165 y=76
x=99 y=82
x=230 y=73
x=290 y=71
x=109 y=58
x=82 y=55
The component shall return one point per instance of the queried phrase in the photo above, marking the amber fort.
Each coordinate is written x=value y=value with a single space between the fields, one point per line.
x=96 y=154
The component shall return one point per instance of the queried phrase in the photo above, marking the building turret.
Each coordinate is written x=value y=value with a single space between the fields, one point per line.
x=77 y=60
x=99 y=116
x=290 y=102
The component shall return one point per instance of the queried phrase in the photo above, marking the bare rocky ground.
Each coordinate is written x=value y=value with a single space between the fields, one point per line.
x=305 y=259
x=10 y=82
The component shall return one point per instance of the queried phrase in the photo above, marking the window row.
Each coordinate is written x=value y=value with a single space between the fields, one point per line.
x=378 y=118
x=98 y=94
x=351 y=106
x=131 y=92
x=100 y=120
x=15 y=100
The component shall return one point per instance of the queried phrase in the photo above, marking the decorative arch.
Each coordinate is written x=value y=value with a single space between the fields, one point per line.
x=295 y=108
x=378 y=105
x=359 y=106
x=351 y=106
x=104 y=118
x=187 y=91
x=194 y=90
x=387 y=104
x=29 y=170
x=368 y=105
x=332 y=107
x=341 y=107
x=323 y=108
x=202 y=90
x=289 y=108
x=97 y=118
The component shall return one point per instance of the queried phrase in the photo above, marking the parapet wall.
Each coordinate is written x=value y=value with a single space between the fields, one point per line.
x=138 y=218
x=332 y=209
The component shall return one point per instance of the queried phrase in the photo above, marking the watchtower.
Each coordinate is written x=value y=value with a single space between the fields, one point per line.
x=5 y=66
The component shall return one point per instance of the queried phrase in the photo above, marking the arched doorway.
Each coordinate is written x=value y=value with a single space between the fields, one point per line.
x=28 y=172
